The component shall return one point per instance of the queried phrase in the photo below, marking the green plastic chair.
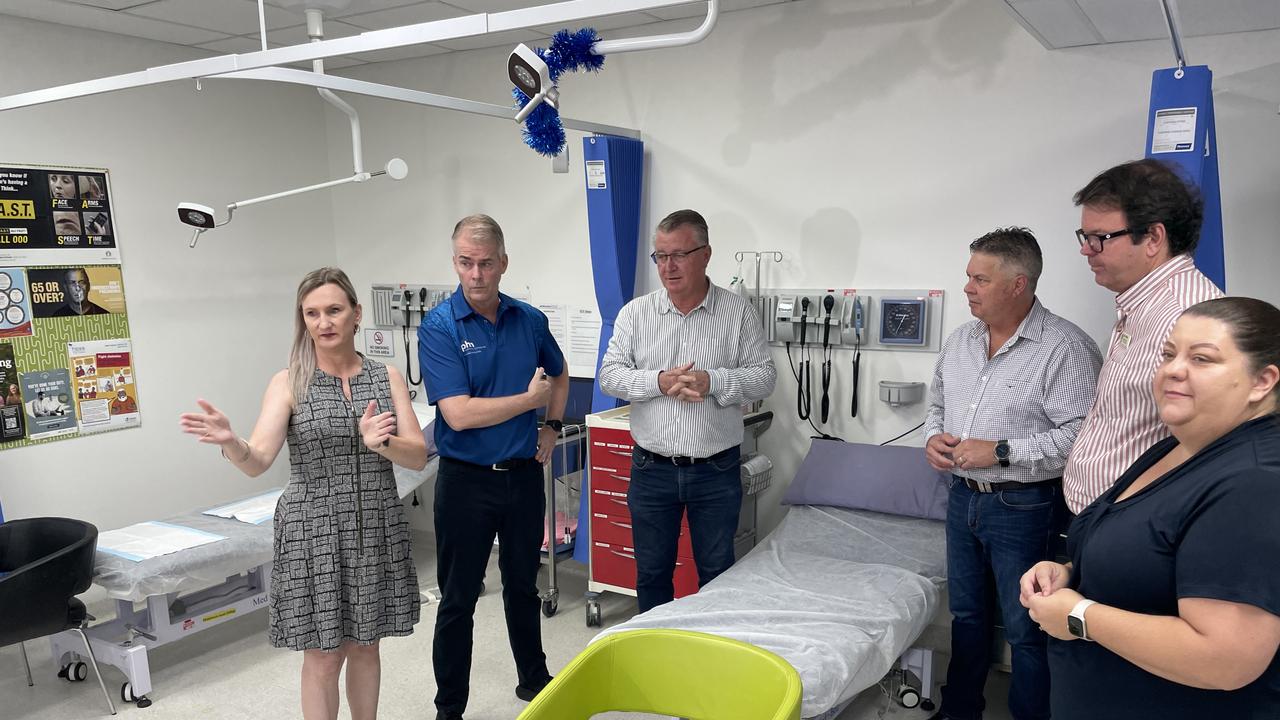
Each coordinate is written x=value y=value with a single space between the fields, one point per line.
x=671 y=672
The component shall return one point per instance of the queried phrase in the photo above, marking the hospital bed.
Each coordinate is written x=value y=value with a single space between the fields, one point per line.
x=166 y=598
x=844 y=587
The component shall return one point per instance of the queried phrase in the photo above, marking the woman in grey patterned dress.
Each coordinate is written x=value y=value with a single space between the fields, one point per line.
x=342 y=577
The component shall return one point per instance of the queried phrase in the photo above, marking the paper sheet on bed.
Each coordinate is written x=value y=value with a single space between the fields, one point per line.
x=838 y=593
x=254 y=510
x=152 y=539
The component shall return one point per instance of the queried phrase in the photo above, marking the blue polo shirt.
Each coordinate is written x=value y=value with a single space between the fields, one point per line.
x=461 y=353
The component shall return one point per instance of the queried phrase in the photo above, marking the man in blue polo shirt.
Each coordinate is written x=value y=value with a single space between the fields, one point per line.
x=488 y=364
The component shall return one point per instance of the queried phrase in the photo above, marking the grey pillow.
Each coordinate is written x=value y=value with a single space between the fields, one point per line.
x=895 y=480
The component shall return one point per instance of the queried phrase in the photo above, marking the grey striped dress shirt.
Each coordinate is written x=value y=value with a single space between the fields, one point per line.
x=722 y=335
x=1034 y=392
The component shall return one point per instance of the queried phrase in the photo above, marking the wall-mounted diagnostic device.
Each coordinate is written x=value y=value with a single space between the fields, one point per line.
x=855 y=319
x=903 y=321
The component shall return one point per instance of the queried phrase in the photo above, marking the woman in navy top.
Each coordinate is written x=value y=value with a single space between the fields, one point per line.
x=1170 y=607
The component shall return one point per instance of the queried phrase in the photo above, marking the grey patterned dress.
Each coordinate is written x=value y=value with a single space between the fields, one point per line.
x=342 y=569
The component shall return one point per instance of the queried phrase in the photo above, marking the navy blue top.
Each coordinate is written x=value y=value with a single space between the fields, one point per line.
x=1206 y=529
x=462 y=353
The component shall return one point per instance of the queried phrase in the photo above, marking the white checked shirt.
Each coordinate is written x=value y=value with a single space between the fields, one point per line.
x=722 y=335
x=1034 y=392
x=1124 y=420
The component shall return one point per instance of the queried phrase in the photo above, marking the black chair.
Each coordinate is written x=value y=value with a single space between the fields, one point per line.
x=44 y=564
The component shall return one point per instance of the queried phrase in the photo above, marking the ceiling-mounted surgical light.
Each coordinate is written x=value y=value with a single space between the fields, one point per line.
x=196 y=215
x=531 y=74
x=201 y=217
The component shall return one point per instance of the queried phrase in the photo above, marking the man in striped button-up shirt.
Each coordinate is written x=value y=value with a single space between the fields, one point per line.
x=1139 y=227
x=1009 y=392
x=688 y=357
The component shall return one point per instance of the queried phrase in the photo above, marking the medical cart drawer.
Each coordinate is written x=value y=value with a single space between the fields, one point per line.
x=613 y=564
x=606 y=461
x=616 y=565
x=617 y=531
x=609 y=503
x=612 y=439
x=607 y=478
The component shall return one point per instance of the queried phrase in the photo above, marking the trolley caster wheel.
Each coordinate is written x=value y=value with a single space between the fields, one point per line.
x=908 y=696
x=593 y=613
x=74 y=672
x=926 y=705
x=549 y=607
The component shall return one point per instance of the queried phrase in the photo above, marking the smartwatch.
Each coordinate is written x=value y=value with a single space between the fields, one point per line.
x=557 y=425
x=1002 y=452
x=1075 y=620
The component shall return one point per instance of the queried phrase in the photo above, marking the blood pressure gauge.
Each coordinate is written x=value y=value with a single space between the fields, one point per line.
x=903 y=321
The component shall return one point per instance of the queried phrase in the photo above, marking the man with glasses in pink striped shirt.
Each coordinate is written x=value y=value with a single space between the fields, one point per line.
x=1139 y=225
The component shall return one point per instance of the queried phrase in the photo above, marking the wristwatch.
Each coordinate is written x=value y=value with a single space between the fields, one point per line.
x=1002 y=452
x=1075 y=620
x=557 y=425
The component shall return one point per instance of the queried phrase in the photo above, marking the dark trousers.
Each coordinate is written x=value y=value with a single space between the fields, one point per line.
x=996 y=535
x=711 y=493
x=472 y=505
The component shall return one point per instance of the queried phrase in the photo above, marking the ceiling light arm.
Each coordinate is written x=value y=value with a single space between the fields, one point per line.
x=315 y=31
x=1170 y=8
x=654 y=42
x=396 y=169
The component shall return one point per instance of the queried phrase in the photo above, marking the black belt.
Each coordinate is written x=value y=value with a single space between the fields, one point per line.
x=990 y=487
x=683 y=460
x=500 y=466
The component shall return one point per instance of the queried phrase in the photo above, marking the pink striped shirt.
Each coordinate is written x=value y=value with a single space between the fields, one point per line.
x=1124 y=421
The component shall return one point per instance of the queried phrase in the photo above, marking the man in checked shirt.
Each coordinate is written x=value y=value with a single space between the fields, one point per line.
x=1139 y=225
x=1010 y=391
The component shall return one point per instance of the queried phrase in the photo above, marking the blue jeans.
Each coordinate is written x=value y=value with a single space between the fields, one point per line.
x=996 y=536
x=660 y=493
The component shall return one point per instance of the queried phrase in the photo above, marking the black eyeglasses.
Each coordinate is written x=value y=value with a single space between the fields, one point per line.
x=679 y=257
x=1095 y=240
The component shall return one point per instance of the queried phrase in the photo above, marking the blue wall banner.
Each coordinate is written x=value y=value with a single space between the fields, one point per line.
x=615 y=178
x=1180 y=130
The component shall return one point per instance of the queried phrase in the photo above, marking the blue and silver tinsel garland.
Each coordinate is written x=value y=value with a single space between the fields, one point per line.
x=569 y=51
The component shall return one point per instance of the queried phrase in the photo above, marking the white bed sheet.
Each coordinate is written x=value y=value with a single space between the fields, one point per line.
x=838 y=593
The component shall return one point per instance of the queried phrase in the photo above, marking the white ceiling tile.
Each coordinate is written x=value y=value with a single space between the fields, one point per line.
x=406 y=15
x=235 y=17
x=85 y=16
x=1126 y=20
x=1059 y=22
x=401 y=53
x=1227 y=16
x=510 y=38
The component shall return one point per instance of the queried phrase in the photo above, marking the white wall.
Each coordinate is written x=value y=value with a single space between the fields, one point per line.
x=213 y=322
x=868 y=141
